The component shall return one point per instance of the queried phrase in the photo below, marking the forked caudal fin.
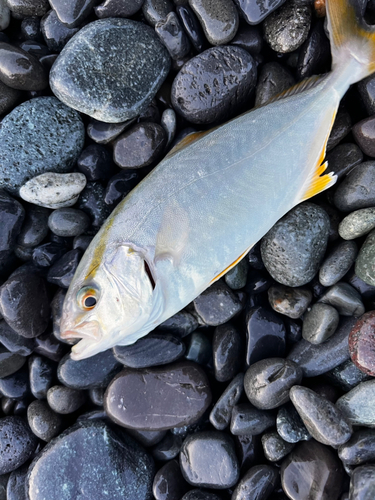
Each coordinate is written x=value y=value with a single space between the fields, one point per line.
x=351 y=39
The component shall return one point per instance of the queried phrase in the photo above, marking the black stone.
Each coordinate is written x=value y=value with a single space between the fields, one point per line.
x=30 y=29
x=314 y=55
x=62 y=272
x=340 y=129
x=359 y=449
x=347 y=375
x=147 y=438
x=156 y=10
x=274 y=447
x=45 y=423
x=260 y=480
x=290 y=426
x=27 y=8
x=366 y=89
x=343 y=158
x=10 y=362
x=221 y=413
x=169 y=483
x=41 y=373
x=118 y=8
x=168 y=448
x=14 y=342
x=17 y=443
x=47 y=254
x=344 y=298
x=96 y=395
x=273 y=79
x=8 y=98
x=103 y=133
x=255 y=12
x=16 y=484
x=227 y=348
x=47 y=345
x=95 y=162
x=21 y=70
x=65 y=400
x=16 y=386
x=35 y=226
x=200 y=495
x=91 y=201
x=364 y=135
x=119 y=186
x=173 y=36
x=198 y=348
x=248 y=420
x=182 y=324
x=34 y=48
x=362 y=483
x=72 y=13
x=12 y=215
x=258 y=282
x=219 y=19
x=68 y=222
x=55 y=33
x=192 y=27
x=217 y=305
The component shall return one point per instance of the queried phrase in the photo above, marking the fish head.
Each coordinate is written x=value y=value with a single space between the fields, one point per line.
x=108 y=302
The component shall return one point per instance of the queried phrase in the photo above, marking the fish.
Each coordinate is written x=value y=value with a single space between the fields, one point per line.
x=213 y=196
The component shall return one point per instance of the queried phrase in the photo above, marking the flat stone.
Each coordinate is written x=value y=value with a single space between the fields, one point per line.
x=219 y=19
x=227 y=349
x=260 y=481
x=217 y=305
x=4 y=16
x=362 y=343
x=364 y=135
x=68 y=222
x=249 y=421
x=21 y=70
x=125 y=82
x=65 y=400
x=362 y=483
x=44 y=422
x=357 y=190
x=358 y=404
x=364 y=266
x=291 y=302
x=290 y=426
x=273 y=79
x=347 y=375
x=17 y=443
x=156 y=10
x=274 y=447
x=320 y=323
x=28 y=8
x=359 y=449
x=117 y=8
x=221 y=413
x=338 y=262
x=38 y=136
x=344 y=298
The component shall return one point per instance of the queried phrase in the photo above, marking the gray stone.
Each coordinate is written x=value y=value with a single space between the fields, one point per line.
x=347 y=375
x=222 y=411
x=255 y=12
x=273 y=80
x=357 y=223
x=259 y=482
x=4 y=16
x=44 y=422
x=118 y=8
x=72 y=12
x=38 y=136
x=17 y=443
x=294 y=247
x=10 y=362
x=219 y=19
x=338 y=263
x=156 y=10
x=35 y=226
x=8 y=97
x=125 y=81
x=320 y=323
x=291 y=302
x=343 y=158
x=227 y=350
x=237 y=276
x=248 y=420
x=217 y=305
x=68 y=222
x=28 y=8
x=173 y=36
x=274 y=447
x=55 y=34
x=65 y=400
x=365 y=264
x=358 y=405
x=357 y=190
x=359 y=449
x=290 y=426
x=344 y=298
x=362 y=483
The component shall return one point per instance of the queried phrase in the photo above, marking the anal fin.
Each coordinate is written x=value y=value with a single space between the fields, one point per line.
x=231 y=265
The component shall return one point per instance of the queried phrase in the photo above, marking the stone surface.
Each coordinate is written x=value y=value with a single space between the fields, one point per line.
x=16 y=484
x=273 y=79
x=21 y=70
x=248 y=420
x=35 y=226
x=68 y=222
x=125 y=81
x=343 y=158
x=38 y=136
x=95 y=163
x=227 y=349
x=217 y=305
x=17 y=443
x=359 y=449
x=357 y=223
x=158 y=398
x=43 y=421
x=315 y=54
x=221 y=413
x=103 y=133
x=42 y=372
x=4 y=15
x=9 y=97
x=219 y=19
x=91 y=201
x=362 y=483
x=366 y=89
x=236 y=277
x=117 y=8
x=362 y=343
x=55 y=33
x=290 y=426
x=156 y=10
x=16 y=386
x=274 y=447
x=347 y=375
x=120 y=185
x=341 y=127
x=256 y=12
x=173 y=36
x=72 y=13
x=10 y=362
x=338 y=262
x=365 y=264
x=26 y=8
x=358 y=404
x=169 y=483
x=62 y=271
x=14 y=342
x=192 y=27
x=345 y=299
x=259 y=482
x=65 y=400
x=168 y=448
x=182 y=323
x=198 y=348
x=291 y=302
x=320 y=323
x=200 y=495
x=364 y=135
x=357 y=190
x=12 y=215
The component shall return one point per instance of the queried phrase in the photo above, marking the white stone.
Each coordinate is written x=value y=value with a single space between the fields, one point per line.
x=53 y=190
x=4 y=15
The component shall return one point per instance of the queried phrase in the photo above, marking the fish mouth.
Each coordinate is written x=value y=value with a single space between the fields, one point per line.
x=89 y=330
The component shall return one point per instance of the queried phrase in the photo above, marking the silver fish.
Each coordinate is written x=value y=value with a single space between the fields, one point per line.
x=209 y=201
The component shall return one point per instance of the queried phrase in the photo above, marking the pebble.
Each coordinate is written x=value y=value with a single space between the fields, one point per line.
x=256 y=12
x=341 y=127
x=364 y=135
x=4 y=15
x=168 y=448
x=72 y=14
x=312 y=467
x=41 y=375
x=221 y=413
x=208 y=460
x=172 y=396
x=198 y=348
x=27 y=8
x=274 y=447
x=62 y=271
x=192 y=27
x=357 y=223
x=38 y=136
x=68 y=222
x=47 y=254
x=12 y=215
x=14 y=342
x=114 y=465
x=366 y=89
x=213 y=85
x=169 y=483
x=119 y=186
x=268 y=381
x=227 y=349
x=104 y=133
x=55 y=33
x=259 y=482
x=217 y=305
x=293 y=248
x=10 y=362
x=291 y=302
x=219 y=19
x=364 y=266
x=156 y=10
x=182 y=324
x=34 y=48
x=91 y=201
x=95 y=163
x=16 y=386
x=140 y=146
x=45 y=423
x=361 y=343
x=358 y=406
x=357 y=190
x=17 y=443
x=30 y=28
x=21 y=70
x=8 y=98
x=25 y=312
x=35 y=226
x=322 y=419
x=347 y=375
x=47 y=345
x=338 y=262
x=157 y=348
x=236 y=277
x=359 y=449
x=147 y=438
x=79 y=68
x=320 y=323
x=173 y=36
x=344 y=298
x=96 y=371
x=248 y=420
x=273 y=80
x=290 y=426
x=117 y=8
x=16 y=484
x=343 y=158
x=318 y=359
x=314 y=55
x=65 y=400
x=362 y=483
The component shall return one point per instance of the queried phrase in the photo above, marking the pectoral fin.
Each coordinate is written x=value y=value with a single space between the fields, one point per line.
x=173 y=234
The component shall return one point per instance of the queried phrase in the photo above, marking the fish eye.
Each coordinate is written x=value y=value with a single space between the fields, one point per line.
x=87 y=298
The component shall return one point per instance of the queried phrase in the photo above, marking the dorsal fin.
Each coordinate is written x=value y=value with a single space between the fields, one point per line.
x=186 y=141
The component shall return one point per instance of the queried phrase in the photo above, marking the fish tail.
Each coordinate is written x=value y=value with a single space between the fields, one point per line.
x=352 y=40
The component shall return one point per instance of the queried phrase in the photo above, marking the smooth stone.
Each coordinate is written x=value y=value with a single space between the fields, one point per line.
x=320 y=323
x=341 y=127
x=219 y=19
x=95 y=163
x=221 y=413
x=4 y=15
x=124 y=90
x=62 y=271
x=169 y=123
x=53 y=190
x=343 y=158
x=198 y=348
x=248 y=420
x=65 y=400
x=120 y=186
x=313 y=471
x=47 y=254
x=82 y=242
x=314 y=54
x=12 y=215
x=96 y=371
x=357 y=223
x=114 y=465
x=200 y=495
x=23 y=253
x=362 y=343
x=45 y=423
x=140 y=146
x=17 y=443
x=16 y=386
x=290 y=426
x=217 y=305
x=96 y=396
x=256 y=12
x=156 y=10
x=273 y=80
x=265 y=334
x=147 y=438
x=72 y=13
x=173 y=36
x=47 y=345
x=293 y=248
x=55 y=33
x=169 y=483
x=30 y=29
x=359 y=449
x=274 y=447
x=364 y=135
x=68 y=222
x=358 y=405
x=344 y=298
x=168 y=448
x=28 y=8
x=322 y=419
x=35 y=226
x=267 y=382
x=236 y=277
x=14 y=342
x=25 y=311
x=357 y=190
x=155 y=349
x=214 y=85
x=318 y=359
x=291 y=302
x=347 y=375
x=34 y=48
x=338 y=262
x=168 y=397
x=227 y=349
x=21 y=70
x=16 y=484
x=364 y=265
x=258 y=483
x=208 y=460
x=118 y=8
x=41 y=374
x=10 y=362
x=366 y=89
x=41 y=135
x=182 y=324
x=362 y=483
x=104 y=133
x=91 y=201
x=191 y=27
x=8 y=98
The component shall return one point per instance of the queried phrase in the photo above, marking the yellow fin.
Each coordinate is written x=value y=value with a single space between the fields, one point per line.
x=232 y=265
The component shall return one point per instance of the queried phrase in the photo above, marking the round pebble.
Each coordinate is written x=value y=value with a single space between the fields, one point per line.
x=362 y=483
x=21 y=70
x=217 y=305
x=219 y=19
x=358 y=406
x=359 y=449
x=274 y=447
x=357 y=223
x=221 y=413
x=320 y=323
x=68 y=222
x=291 y=302
x=344 y=298
x=260 y=481
x=227 y=348
x=249 y=421
x=338 y=262
x=65 y=400
x=44 y=422
x=357 y=189
x=17 y=443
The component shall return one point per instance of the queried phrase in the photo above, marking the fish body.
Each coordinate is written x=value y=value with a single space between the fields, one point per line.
x=202 y=209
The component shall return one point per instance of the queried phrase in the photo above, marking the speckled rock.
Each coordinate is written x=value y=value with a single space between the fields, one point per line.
x=255 y=12
x=217 y=305
x=219 y=19
x=357 y=190
x=38 y=136
x=125 y=84
x=357 y=223
x=320 y=323
x=362 y=343
x=156 y=10
x=344 y=298
x=358 y=404
x=365 y=264
x=338 y=262
x=72 y=13
x=26 y=8
x=291 y=302
x=359 y=449
x=115 y=466
x=17 y=443
x=294 y=247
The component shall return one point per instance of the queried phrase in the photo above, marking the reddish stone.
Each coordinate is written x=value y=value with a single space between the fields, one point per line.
x=362 y=343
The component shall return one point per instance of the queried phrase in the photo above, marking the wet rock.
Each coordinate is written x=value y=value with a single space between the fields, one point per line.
x=21 y=70
x=16 y=484
x=38 y=136
x=364 y=266
x=17 y=443
x=361 y=343
x=347 y=375
x=147 y=438
x=119 y=186
x=221 y=413
x=290 y=426
x=208 y=459
x=168 y=448
x=364 y=135
x=273 y=79
x=191 y=27
x=173 y=36
x=47 y=345
x=366 y=89
x=344 y=298
x=91 y=201
x=249 y=38
x=12 y=215
x=114 y=465
x=45 y=423
x=248 y=420
x=169 y=483
x=117 y=8
x=65 y=400
x=4 y=15
x=95 y=163
x=362 y=483
x=55 y=33
x=10 y=362
x=156 y=10
x=255 y=12
x=291 y=302
x=80 y=67
x=267 y=382
x=68 y=222
x=72 y=13
x=41 y=374
x=62 y=272
x=320 y=323
x=104 y=133
x=357 y=190
x=338 y=262
x=34 y=228
x=16 y=386
x=214 y=85
x=358 y=404
x=274 y=447
x=30 y=28
x=14 y=342
x=359 y=449
x=47 y=254
x=9 y=97
x=357 y=223
x=219 y=19
x=28 y=8
x=181 y=324
x=237 y=276
x=217 y=305
x=343 y=158
x=259 y=482
x=227 y=348
x=341 y=127
x=199 y=495
x=294 y=247
x=314 y=55
x=167 y=397
x=198 y=348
